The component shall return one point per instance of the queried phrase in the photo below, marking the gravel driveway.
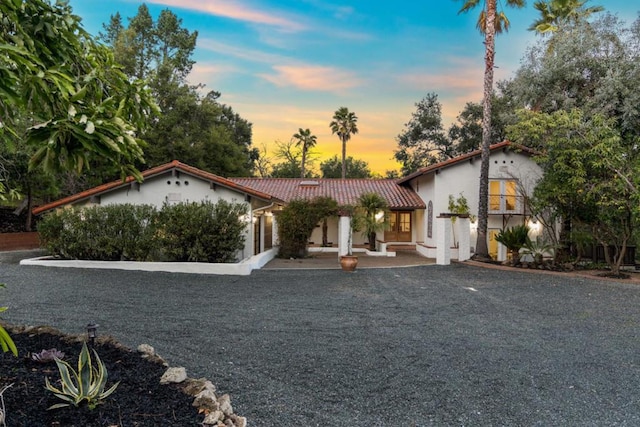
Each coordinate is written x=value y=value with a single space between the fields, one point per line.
x=429 y=345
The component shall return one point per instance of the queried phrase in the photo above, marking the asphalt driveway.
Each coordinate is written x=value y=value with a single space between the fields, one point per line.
x=428 y=345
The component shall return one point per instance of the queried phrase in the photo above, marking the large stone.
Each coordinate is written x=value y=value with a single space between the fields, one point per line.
x=146 y=349
x=207 y=400
x=194 y=386
x=149 y=353
x=225 y=404
x=213 y=418
x=174 y=375
x=238 y=421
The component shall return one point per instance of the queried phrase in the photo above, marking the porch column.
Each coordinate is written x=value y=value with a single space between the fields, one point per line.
x=464 y=240
x=443 y=239
x=344 y=228
x=274 y=232
x=262 y=228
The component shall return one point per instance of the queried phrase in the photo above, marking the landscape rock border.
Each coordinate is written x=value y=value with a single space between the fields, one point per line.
x=217 y=409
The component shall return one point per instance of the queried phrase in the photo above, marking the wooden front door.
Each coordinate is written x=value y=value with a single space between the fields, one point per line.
x=399 y=227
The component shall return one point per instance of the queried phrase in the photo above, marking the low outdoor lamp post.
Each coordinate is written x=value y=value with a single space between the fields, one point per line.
x=92 y=333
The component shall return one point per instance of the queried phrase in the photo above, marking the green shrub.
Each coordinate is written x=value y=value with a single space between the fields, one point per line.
x=202 y=232
x=514 y=238
x=87 y=384
x=297 y=221
x=107 y=233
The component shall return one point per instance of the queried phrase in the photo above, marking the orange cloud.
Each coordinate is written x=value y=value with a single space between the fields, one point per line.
x=235 y=10
x=310 y=77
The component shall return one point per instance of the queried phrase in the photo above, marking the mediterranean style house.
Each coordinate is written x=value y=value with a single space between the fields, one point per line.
x=416 y=202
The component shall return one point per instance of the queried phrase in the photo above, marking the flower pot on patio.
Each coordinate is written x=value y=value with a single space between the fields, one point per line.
x=348 y=262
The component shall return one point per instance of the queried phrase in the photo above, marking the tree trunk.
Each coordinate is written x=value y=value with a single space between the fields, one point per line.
x=563 y=254
x=325 y=229
x=344 y=158
x=372 y=241
x=615 y=268
x=29 y=205
x=304 y=160
x=482 y=250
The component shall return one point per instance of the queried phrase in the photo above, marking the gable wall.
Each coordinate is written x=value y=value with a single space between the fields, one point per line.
x=463 y=178
x=156 y=190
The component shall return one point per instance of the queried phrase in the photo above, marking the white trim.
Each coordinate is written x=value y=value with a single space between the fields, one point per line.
x=242 y=268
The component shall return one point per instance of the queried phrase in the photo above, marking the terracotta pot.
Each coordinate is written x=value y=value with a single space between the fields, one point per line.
x=348 y=262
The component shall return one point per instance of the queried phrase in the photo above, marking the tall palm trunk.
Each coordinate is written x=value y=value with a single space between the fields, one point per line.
x=344 y=158
x=482 y=250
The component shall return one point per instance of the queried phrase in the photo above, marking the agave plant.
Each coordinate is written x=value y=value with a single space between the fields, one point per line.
x=87 y=384
x=538 y=250
x=6 y=343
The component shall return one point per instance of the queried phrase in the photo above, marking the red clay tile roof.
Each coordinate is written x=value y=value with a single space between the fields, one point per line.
x=150 y=173
x=463 y=157
x=344 y=191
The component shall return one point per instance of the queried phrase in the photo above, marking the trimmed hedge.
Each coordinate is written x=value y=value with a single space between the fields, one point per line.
x=203 y=231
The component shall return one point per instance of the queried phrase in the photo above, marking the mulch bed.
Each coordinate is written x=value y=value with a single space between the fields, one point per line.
x=139 y=400
x=625 y=277
x=11 y=223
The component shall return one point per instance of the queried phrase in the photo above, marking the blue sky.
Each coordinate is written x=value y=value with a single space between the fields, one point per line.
x=288 y=64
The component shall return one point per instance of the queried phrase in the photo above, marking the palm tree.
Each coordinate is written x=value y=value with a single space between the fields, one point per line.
x=372 y=204
x=490 y=23
x=556 y=13
x=344 y=124
x=307 y=140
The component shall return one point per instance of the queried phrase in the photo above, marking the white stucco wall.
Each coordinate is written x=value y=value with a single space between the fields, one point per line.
x=462 y=178
x=332 y=232
x=156 y=190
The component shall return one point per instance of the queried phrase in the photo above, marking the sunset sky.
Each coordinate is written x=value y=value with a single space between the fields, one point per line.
x=289 y=64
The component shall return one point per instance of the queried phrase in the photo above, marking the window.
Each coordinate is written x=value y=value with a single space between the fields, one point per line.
x=399 y=227
x=503 y=196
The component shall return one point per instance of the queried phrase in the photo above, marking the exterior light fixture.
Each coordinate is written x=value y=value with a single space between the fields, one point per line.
x=92 y=332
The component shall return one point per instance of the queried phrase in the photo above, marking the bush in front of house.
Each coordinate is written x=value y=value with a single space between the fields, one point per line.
x=205 y=232
x=514 y=238
x=202 y=232
x=297 y=221
x=105 y=233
